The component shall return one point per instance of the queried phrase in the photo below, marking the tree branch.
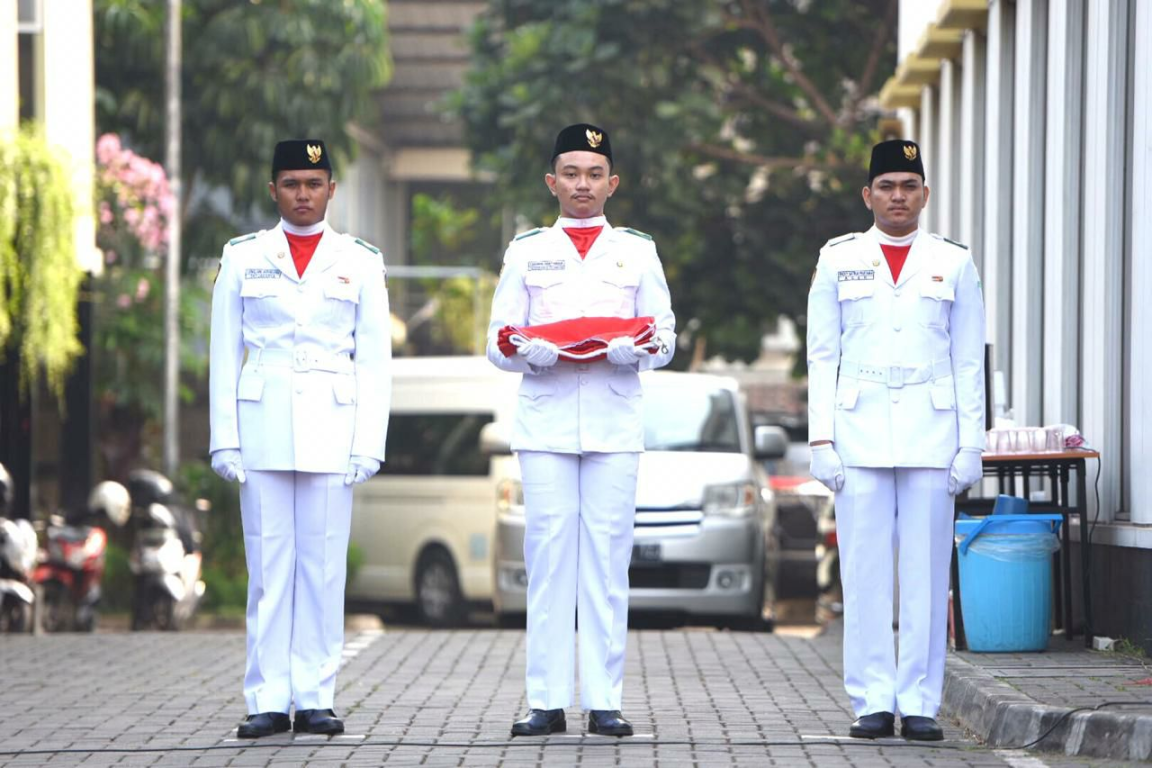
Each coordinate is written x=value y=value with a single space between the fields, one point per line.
x=760 y=161
x=760 y=20
x=878 y=44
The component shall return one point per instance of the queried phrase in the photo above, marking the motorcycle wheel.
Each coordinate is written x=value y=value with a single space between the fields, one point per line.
x=15 y=616
x=59 y=609
x=164 y=613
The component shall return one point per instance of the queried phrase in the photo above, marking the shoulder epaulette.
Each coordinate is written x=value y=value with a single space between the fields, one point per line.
x=837 y=240
x=244 y=238
x=952 y=242
x=369 y=246
x=636 y=232
x=529 y=233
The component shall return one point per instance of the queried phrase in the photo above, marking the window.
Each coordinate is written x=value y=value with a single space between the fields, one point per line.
x=682 y=419
x=436 y=444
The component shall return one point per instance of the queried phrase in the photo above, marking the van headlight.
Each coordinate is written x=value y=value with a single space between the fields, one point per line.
x=730 y=499
x=510 y=497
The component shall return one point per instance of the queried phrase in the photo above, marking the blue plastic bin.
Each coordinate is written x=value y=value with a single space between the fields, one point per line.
x=1005 y=566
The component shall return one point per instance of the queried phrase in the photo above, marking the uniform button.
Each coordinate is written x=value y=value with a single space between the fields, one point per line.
x=299 y=390
x=300 y=288
x=299 y=322
x=897 y=292
x=896 y=328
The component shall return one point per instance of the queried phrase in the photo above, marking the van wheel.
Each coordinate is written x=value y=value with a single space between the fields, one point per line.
x=511 y=620
x=438 y=598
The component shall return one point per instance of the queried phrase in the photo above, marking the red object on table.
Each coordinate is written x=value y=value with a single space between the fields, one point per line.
x=583 y=339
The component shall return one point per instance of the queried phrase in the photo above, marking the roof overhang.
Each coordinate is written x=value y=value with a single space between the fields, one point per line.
x=963 y=14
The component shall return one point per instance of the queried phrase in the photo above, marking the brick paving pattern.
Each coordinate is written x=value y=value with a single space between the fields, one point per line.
x=425 y=698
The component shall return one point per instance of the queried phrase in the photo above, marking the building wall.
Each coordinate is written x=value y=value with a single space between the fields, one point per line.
x=1037 y=137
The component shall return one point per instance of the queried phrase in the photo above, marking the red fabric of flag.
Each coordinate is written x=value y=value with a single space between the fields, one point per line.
x=583 y=339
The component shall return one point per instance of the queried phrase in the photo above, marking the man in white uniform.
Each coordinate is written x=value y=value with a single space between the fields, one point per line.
x=896 y=423
x=300 y=389
x=579 y=433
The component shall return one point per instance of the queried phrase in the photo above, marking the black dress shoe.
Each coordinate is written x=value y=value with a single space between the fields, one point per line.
x=263 y=724
x=317 y=721
x=874 y=726
x=540 y=722
x=608 y=722
x=917 y=728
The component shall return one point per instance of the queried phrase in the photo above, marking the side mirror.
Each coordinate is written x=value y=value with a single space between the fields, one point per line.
x=496 y=439
x=771 y=443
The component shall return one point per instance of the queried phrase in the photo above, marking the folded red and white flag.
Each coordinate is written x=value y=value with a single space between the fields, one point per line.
x=583 y=339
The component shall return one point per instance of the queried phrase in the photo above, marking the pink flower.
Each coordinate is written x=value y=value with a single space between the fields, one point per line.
x=142 y=289
x=107 y=147
x=123 y=301
x=110 y=257
x=106 y=215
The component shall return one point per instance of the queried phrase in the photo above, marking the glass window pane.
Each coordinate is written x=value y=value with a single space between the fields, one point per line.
x=690 y=419
x=436 y=444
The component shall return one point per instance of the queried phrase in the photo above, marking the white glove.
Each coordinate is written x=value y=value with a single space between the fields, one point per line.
x=967 y=469
x=827 y=467
x=226 y=463
x=360 y=468
x=622 y=351
x=540 y=353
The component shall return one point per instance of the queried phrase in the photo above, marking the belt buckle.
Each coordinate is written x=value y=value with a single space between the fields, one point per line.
x=301 y=361
x=895 y=376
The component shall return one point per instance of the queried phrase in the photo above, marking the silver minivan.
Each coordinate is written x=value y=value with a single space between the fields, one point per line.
x=706 y=544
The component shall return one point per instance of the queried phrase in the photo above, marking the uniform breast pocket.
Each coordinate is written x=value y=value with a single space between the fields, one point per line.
x=339 y=303
x=264 y=302
x=856 y=301
x=536 y=392
x=614 y=293
x=547 y=292
x=935 y=304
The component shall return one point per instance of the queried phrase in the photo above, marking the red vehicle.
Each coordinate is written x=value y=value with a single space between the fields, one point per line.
x=69 y=575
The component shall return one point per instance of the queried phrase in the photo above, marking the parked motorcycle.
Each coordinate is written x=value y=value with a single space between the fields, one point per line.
x=69 y=575
x=18 y=550
x=166 y=556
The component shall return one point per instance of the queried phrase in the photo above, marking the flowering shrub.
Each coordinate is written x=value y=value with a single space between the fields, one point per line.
x=134 y=205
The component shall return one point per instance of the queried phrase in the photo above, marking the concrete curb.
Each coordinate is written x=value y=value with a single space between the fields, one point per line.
x=1001 y=716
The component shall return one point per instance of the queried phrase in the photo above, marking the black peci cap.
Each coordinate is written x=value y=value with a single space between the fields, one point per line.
x=896 y=156
x=300 y=154
x=582 y=137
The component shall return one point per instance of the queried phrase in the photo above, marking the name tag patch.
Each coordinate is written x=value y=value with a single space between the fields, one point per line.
x=262 y=274
x=849 y=275
x=546 y=266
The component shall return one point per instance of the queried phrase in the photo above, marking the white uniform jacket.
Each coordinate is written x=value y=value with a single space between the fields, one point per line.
x=896 y=370
x=580 y=408
x=315 y=388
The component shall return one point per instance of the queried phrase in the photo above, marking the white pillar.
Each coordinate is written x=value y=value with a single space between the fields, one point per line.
x=1062 y=212
x=929 y=135
x=1101 y=367
x=946 y=156
x=998 y=181
x=1028 y=212
x=9 y=67
x=970 y=229
x=69 y=108
x=1140 y=370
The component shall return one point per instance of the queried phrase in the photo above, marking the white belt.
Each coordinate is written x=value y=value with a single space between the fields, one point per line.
x=896 y=376
x=303 y=360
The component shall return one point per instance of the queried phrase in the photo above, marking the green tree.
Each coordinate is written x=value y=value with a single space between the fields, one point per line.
x=253 y=73
x=740 y=129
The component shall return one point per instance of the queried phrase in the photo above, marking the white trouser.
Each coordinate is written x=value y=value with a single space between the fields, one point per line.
x=296 y=528
x=877 y=510
x=580 y=511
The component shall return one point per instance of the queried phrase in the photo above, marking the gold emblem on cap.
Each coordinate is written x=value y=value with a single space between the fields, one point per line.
x=315 y=151
x=594 y=139
x=910 y=151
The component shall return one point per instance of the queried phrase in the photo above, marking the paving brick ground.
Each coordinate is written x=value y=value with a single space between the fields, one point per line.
x=697 y=698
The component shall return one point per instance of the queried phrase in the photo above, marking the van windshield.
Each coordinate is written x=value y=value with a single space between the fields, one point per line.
x=690 y=419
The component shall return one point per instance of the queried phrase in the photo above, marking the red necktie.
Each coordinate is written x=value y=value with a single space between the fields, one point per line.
x=583 y=237
x=302 y=247
x=896 y=256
